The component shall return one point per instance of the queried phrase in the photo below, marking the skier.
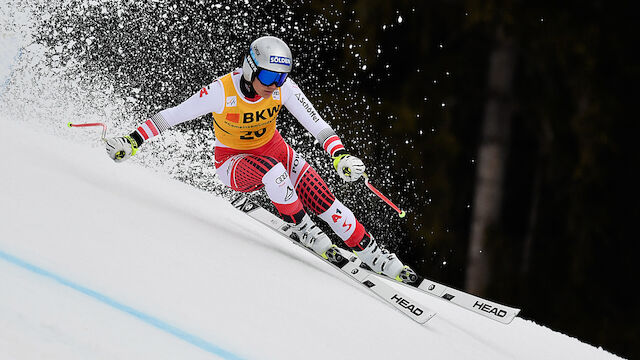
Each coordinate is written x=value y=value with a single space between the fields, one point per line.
x=251 y=154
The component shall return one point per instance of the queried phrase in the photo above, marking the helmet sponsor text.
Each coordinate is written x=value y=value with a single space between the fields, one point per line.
x=273 y=59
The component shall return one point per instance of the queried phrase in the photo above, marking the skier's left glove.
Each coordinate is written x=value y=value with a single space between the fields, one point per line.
x=121 y=148
x=349 y=167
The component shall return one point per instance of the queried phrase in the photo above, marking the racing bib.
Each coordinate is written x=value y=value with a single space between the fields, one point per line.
x=244 y=125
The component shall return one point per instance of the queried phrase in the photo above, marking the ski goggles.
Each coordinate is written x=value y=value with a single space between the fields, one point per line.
x=268 y=77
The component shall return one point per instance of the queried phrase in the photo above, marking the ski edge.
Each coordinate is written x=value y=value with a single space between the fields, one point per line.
x=396 y=299
x=492 y=310
x=487 y=308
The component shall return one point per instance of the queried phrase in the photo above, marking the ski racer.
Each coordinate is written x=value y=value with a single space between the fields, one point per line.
x=250 y=153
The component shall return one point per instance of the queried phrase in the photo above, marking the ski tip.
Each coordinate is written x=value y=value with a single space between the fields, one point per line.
x=429 y=316
x=507 y=318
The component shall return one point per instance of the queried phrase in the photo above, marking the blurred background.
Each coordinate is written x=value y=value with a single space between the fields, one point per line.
x=504 y=128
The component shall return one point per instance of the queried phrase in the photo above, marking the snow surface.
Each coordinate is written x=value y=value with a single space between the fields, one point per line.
x=113 y=261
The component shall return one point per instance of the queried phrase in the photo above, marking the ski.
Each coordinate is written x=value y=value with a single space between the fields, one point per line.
x=492 y=310
x=489 y=309
x=349 y=264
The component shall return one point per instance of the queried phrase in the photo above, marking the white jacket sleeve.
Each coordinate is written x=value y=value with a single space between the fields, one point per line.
x=299 y=105
x=209 y=99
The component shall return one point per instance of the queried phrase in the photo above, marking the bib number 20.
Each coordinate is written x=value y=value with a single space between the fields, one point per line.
x=250 y=135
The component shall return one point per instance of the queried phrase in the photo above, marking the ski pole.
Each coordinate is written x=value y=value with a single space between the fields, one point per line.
x=401 y=213
x=104 y=127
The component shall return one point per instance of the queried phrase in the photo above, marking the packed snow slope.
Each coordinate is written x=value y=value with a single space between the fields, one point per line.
x=100 y=260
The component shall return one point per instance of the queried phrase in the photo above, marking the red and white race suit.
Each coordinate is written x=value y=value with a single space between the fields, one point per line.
x=251 y=154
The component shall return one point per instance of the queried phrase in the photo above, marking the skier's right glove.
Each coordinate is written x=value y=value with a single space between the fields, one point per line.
x=121 y=148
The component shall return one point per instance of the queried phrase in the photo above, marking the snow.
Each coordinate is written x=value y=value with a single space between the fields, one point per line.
x=105 y=260
x=100 y=260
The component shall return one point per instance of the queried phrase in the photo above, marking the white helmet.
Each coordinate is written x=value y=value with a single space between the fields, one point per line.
x=269 y=59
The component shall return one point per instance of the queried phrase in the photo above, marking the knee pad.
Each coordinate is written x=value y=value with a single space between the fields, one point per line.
x=280 y=190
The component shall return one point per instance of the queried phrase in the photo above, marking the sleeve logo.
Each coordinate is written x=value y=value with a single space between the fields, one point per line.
x=232 y=101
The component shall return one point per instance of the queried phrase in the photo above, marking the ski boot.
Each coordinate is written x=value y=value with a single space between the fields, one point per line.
x=311 y=236
x=378 y=259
